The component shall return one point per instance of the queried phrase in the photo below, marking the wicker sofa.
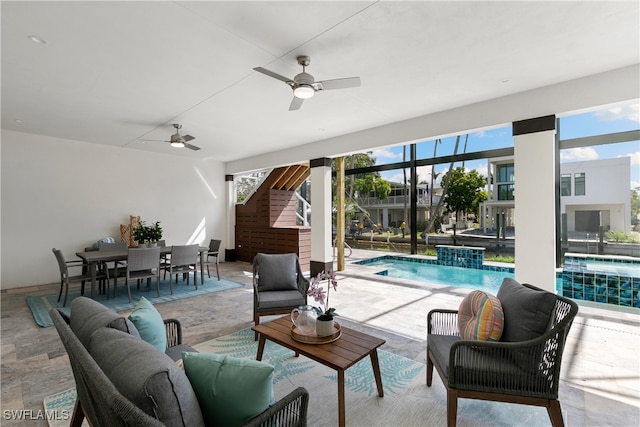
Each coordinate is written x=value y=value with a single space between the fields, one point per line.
x=122 y=380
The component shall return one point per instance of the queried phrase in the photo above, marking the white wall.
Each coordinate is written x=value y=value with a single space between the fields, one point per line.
x=606 y=188
x=68 y=194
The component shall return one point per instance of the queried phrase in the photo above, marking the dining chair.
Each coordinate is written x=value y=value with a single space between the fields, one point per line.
x=66 y=279
x=115 y=268
x=183 y=260
x=143 y=263
x=214 y=251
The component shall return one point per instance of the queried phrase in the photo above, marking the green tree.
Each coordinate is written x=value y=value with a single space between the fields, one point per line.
x=361 y=184
x=635 y=202
x=465 y=190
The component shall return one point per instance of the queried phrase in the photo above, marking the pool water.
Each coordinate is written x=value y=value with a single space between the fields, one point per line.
x=629 y=270
x=470 y=278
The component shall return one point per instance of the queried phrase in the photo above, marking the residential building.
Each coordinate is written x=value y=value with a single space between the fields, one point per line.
x=593 y=194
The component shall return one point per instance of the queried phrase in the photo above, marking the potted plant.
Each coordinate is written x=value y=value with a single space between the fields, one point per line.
x=154 y=232
x=149 y=234
x=324 y=321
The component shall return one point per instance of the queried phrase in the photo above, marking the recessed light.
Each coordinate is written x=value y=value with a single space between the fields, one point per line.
x=19 y=121
x=37 y=39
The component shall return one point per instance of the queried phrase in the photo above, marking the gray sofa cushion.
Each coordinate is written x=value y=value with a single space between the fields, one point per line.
x=277 y=272
x=147 y=377
x=527 y=312
x=88 y=315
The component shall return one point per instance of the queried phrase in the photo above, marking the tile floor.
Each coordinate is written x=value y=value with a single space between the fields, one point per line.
x=600 y=384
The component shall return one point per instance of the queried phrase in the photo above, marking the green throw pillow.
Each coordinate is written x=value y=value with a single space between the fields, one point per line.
x=230 y=390
x=149 y=323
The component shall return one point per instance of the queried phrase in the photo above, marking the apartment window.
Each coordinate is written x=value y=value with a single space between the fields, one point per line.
x=506 y=192
x=505 y=173
x=565 y=184
x=579 y=183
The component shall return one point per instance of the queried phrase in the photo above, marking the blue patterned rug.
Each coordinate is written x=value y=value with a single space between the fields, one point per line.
x=41 y=304
x=407 y=400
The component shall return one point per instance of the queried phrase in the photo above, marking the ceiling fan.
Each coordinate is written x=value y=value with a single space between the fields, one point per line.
x=304 y=86
x=177 y=140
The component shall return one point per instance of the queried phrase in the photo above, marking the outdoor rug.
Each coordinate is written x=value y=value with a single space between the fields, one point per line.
x=407 y=400
x=41 y=304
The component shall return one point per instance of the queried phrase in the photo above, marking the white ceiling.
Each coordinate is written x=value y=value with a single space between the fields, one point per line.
x=114 y=73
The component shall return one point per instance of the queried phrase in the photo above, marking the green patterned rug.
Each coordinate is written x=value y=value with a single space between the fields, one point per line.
x=407 y=400
x=41 y=304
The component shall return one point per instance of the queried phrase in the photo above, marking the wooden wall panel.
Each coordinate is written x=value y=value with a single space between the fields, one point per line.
x=267 y=223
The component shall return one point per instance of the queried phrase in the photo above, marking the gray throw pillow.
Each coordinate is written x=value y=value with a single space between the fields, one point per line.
x=277 y=272
x=147 y=377
x=527 y=312
x=88 y=315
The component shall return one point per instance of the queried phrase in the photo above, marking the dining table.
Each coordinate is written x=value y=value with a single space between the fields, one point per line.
x=94 y=257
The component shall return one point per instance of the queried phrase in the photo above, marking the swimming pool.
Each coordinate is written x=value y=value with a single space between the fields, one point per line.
x=605 y=279
x=430 y=271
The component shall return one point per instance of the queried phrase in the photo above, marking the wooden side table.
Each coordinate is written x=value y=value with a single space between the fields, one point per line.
x=350 y=348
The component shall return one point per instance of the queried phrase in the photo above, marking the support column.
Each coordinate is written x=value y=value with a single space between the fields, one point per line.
x=340 y=203
x=321 y=257
x=535 y=222
x=230 y=230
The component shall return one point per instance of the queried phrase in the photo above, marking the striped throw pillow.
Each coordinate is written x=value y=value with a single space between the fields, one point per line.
x=480 y=317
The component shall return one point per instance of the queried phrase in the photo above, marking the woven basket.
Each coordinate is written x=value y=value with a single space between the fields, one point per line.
x=125 y=233
x=133 y=223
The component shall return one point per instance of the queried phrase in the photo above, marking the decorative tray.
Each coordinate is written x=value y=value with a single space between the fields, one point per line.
x=314 y=339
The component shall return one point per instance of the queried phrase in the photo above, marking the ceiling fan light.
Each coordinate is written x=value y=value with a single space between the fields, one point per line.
x=303 y=91
x=177 y=144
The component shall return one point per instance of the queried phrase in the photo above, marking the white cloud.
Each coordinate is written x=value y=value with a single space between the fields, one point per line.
x=424 y=173
x=635 y=158
x=635 y=184
x=621 y=112
x=577 y=154
x=386 y=154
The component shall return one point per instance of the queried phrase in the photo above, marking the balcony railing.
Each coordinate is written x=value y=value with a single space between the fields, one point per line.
x=395 y=201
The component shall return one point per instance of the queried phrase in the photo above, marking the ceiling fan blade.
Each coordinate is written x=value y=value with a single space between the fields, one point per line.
x=191 y=147
x=186 y=138
x=296 y=103
x=154 y=140
x=339 y=83
x=274 y=75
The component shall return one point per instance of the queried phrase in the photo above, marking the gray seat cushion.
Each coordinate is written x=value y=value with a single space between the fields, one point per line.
x=175 y=352
x=88 y=315
x=277 y=299
x=147 y=377
x=483 y=369
x=527 y=312
x=439 y=346
x=277 y=272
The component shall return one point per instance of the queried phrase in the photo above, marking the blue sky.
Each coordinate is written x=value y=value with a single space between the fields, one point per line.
x=608 y=120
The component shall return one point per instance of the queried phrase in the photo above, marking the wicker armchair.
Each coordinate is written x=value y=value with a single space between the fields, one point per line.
x=279 y=285
x=526 y=372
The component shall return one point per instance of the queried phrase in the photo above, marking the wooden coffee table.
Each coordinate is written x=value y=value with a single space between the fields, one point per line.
x=351 y=347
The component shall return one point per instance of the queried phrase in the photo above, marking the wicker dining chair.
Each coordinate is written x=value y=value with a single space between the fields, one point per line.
x=213 y=252
x=183 y=260
x=115 y=268
x=66 y=278
x=143 y=263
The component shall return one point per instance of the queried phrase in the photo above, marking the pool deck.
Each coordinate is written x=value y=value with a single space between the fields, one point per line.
x=600 y=382
x=599 y=386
